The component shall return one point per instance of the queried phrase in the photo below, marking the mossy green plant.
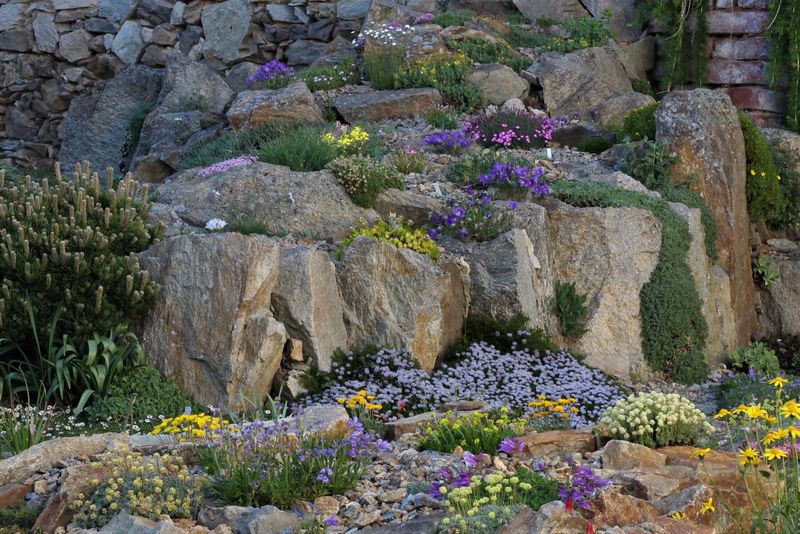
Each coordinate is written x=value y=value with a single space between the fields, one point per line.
x=570 y=307
x=674 y=329
x=766 y=200
x=640 y=123
x=395 y=232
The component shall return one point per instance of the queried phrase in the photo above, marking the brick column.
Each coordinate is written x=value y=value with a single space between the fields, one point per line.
x=739 y=53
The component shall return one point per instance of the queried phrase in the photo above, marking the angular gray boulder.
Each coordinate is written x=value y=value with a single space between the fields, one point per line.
x=780 y=301
x=402 y=299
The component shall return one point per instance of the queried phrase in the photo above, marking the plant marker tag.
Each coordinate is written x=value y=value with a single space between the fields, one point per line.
x=437 y=189
x=549 y=153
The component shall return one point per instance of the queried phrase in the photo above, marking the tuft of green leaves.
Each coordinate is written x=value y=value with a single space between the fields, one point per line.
x=757 y=357
x=674 y=329
x=302 y=149
x=641 y=123
x=230 y=145
x=447 y=74
x=650 y=163
x=364 y=178
x=595 y=145
x=570 y=308
x=764 y=272
x=485 y=52
x=453 y=18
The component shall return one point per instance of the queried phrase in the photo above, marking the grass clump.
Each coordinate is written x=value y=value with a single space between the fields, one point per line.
x=674 y=329
x=570 y=308
x=453 y=18
x=595 y=145
x=230 y=145
x=446 y=73
x=483 y=51
x=326 y=78
x=442 y=118
x=364 y=178
x=302 y=149
x=395 y=232
x=477 y=432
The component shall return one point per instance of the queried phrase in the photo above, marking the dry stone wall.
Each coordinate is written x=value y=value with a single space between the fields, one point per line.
x=54 y=50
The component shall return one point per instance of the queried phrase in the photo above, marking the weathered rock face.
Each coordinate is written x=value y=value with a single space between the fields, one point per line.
x=702 y=128
x=610 y=254
x=308 y=302
x=780 y=301
x=293 y=103
x=504 y=277
x=402 y=299
x=211 y=328
x=308 y=204
x=589 y=82
x=499 y=83
x=381 y=105
x=551 y=9
x=225 y=25
x=714 y=288
x=97 y=126
x=410 y=206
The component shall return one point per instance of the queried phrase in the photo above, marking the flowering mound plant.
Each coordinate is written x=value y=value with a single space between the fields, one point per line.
x=546 y=414
x=513 y=129
x=326 y=78
x=395 y=232
x=144 y=487
x=501 y=379
x=364 y=178
x=409 y=160
x=188 y=426
x=348 y=141
x=477 y=218
x=478 y=432
x=272 y=75
x=657 y=420
x=226 y=165
x=511 y=179
x=452 y=142
x=769 y=459
x=22 y=427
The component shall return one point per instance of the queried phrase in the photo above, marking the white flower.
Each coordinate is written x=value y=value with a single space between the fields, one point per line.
x=216 y=224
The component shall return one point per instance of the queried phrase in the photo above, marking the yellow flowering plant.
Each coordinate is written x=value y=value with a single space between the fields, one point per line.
x=546 y=414
x=363 y=406
x=475 y=432
x=395 y=232
x=144 y=486
x=191 y=426
x=348 y=141
x=769 y=459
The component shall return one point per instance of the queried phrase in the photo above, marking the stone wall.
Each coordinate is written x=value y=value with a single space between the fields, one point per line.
x=54 y=50
x=739 y=55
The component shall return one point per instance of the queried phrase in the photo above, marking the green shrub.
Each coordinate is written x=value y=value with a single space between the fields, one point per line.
x=364 y=178
x=408 y=160
x=453 y=18
x=507 y=335
x=765 y=199
x=786 y=164
x=326 y=78
x=650 y=163
x=302 y=149
x=657 y=420
x=570 y=308
x=442 y=118
x=70 y=246
x=395 y=232
x=641 y=123
x=595 y=145
x=485 y=52
x=23 y=426
x=138 y=395
x=674 y=329
x=135 y=129
x=447 y=74
x=590 y=30
x=18 y=518
x=758 y=357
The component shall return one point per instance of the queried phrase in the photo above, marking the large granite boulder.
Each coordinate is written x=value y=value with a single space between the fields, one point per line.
x=382 y=105
x=499 y=83
x=590 y=83
x=780 y=301
x=310 y=204
x=702 y=128
x=211 y=328
x=714 y=288
x=294 y=103
x=504 y=277
x=402 y=299
x=225 y=24
x=309 y=303
x=609 y=253
x=97 y=127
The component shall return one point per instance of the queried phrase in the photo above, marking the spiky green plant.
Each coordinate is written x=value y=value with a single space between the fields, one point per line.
x=70 y=245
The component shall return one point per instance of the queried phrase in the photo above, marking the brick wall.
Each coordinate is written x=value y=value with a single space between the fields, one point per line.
x=739 y=55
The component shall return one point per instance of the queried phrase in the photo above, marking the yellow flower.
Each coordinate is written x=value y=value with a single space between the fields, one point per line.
x=701 y=453
x=763 y=174
x=791 y=409
x=749 y=456
x=340 y=400
x=775 y=454
x=752 y=172
x=723 y=413
x=678 y=515
x=778 y=382
x=708 y=506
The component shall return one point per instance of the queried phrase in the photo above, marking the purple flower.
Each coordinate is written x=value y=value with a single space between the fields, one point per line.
x=453 y=141
x=463 y=479
x=331 y=521
x=512 y=446
x=459 y=212
x=583 y=486
x=423 y=19
x=512 y=204
x=226 y=165
x=325 y=475
x=462 y=232
x=433 y=233
x=436 y=490
x=470 y=459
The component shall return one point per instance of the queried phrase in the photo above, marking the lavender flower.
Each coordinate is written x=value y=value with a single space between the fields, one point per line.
x=583 y=486
x=273 y=74
x=450 y=141
x=508 y=174
x=331 y=521
x=424 y=18
x=512 y=446
x=470 y=459
x=325 y=475
x=226 y=165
